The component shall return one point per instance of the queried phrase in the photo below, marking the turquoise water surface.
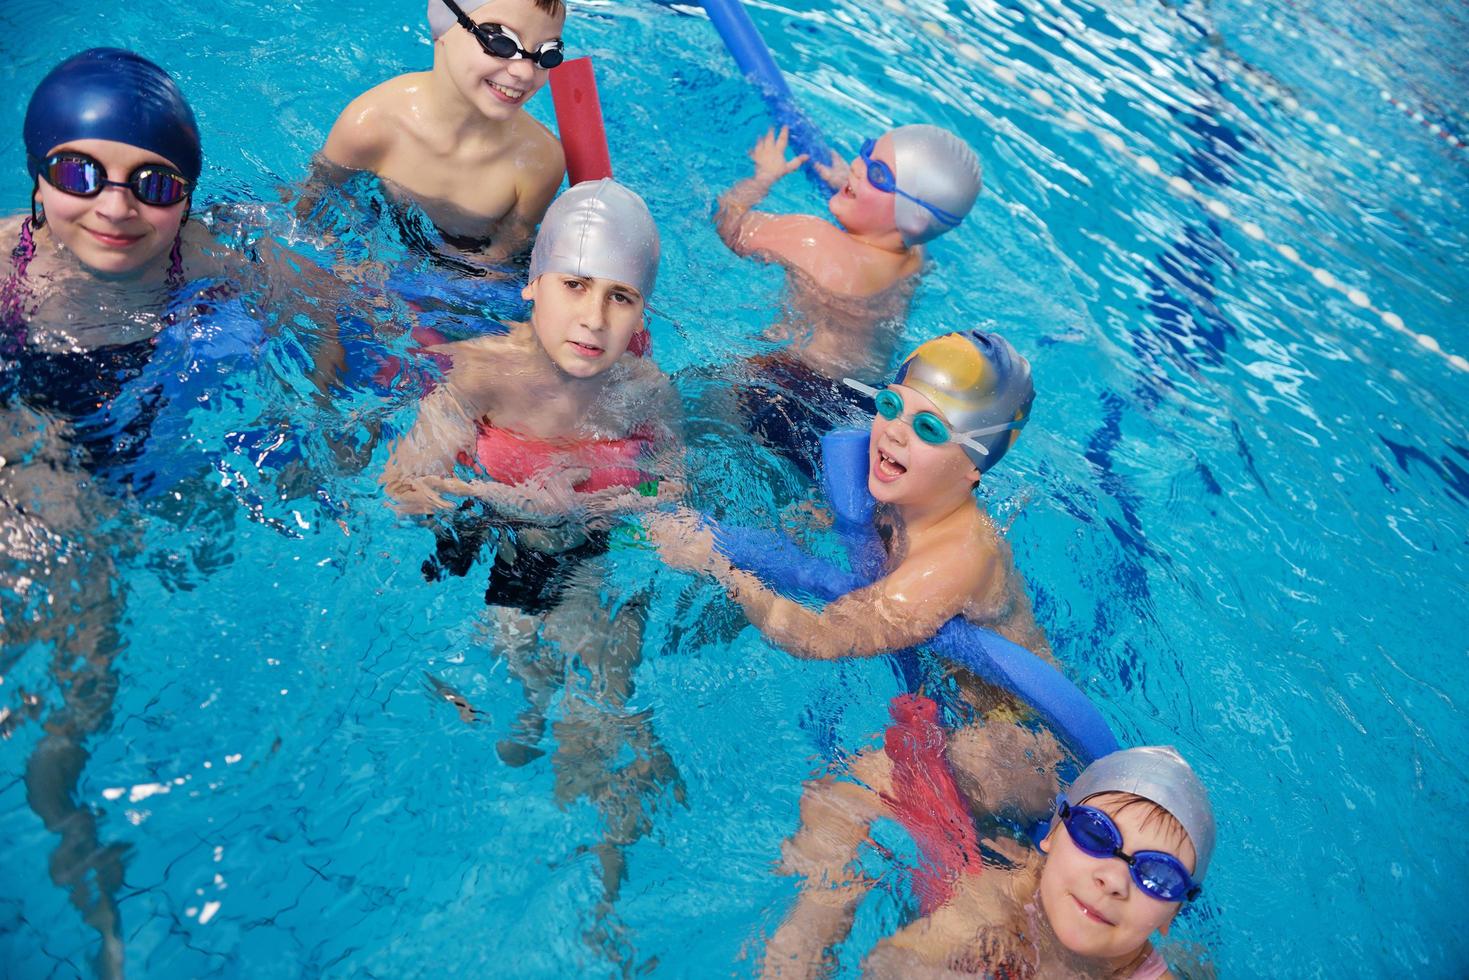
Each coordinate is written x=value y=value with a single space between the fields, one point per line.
x=1242 y=504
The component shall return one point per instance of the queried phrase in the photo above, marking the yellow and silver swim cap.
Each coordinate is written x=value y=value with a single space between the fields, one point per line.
x=933 y=165
x=980 y=383
x=601 y=230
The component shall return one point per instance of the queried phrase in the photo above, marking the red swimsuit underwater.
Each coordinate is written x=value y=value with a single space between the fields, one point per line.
x=523 y=577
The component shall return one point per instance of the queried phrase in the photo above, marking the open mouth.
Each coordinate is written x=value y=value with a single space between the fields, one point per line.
x=504 y=94
x=886 y=468
x=586 y=350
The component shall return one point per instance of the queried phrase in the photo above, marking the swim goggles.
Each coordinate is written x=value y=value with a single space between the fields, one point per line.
x=80 y=175
x=926 y=425
x=1159 y=874
x=881 y=176
x=501 y=42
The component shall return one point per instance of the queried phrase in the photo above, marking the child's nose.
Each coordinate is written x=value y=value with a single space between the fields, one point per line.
x=522 y=69
x=115 y=203
x=1111 y=876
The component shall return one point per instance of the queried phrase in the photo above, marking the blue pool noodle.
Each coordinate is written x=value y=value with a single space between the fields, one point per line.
x=778 y=561
x=754 y=59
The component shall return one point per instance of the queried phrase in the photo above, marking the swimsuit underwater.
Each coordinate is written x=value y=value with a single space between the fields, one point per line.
x=525 y=577
x=419 y=235
x=790 y=405
x=77 y=385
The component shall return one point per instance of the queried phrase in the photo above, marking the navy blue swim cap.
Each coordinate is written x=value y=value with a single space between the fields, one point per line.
x=112 y=94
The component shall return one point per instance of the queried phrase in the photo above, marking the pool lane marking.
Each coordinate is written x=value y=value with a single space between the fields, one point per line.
x=1440 y=130
x=1184 y=188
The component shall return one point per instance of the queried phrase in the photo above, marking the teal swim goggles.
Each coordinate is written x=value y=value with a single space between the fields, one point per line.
x=881 y=176
x=926 y=425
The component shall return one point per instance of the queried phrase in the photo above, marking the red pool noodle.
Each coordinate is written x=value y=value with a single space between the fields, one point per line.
x=579 y=118
x=926 y=801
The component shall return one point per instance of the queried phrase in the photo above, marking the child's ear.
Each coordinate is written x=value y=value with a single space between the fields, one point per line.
x=1163 y=929
x=529 y=292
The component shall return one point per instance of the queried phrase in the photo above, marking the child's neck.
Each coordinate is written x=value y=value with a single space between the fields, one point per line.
x=890 y=242
x=923 y=522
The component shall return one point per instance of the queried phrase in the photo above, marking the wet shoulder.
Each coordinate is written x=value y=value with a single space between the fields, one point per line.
x=538 y=153
x=374 y=122
x=10 y=231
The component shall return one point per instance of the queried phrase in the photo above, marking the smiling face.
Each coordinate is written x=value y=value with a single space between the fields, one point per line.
x=1093 y=905
x=113 y=233
x=903 y=469
x=498 y=87
x=861 y=208
x=583 y=324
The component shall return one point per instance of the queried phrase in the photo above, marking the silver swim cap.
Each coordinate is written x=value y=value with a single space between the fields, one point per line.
x=441 y=18
x=601 y=230
x=979 y=382
x=1157 y=773
x=935 y=166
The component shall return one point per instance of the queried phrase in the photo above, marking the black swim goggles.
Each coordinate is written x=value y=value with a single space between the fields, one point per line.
x=155 y=184
x=881 y=176
x=1159 y=874
x=500 y=42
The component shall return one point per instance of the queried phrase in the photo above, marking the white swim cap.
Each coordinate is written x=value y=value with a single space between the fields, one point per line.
x=441 y=18
x=935 y=166
x=1157 y=773
x=601 y=230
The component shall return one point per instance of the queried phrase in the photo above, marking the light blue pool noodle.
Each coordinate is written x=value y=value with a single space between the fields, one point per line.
x=754 y=59
x=778 y=561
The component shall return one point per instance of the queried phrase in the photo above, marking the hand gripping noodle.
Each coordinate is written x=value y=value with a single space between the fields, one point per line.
x=601 y=230
x=112 y=94
x=979 y=382
x=1157 y=773
x=935 y=166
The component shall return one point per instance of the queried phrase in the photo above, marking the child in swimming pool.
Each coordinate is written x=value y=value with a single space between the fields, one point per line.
x=557 y=411
x=568 y=431
x=953 y=410
x=955 y=407
x=1130 y=842
x=113 y=152
x=850 y=281
x=457 y=139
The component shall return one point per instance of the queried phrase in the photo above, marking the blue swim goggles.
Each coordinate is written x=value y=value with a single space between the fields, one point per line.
x=926 y=425
x=1159 y=874
x=881 y=176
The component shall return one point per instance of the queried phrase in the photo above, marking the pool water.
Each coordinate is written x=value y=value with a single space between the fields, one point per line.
x=1241 y=505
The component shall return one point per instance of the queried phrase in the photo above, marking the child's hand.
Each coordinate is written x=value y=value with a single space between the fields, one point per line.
x=684 y=542
x=836 y=174
x=769 y=155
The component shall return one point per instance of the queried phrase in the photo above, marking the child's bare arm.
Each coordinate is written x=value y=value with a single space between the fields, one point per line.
x=361 y=136
x=904 y=608
x=738 y=226
x=541 y=172
x=426 y=455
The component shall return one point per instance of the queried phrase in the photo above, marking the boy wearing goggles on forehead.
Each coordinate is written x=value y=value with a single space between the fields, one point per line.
x=456 y=139
x=851 y=280
x=1130 y=841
